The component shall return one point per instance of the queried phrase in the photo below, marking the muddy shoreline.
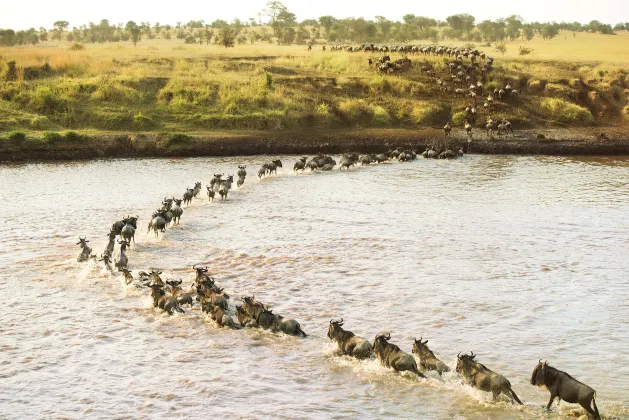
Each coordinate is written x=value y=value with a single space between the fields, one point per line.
x=608 y=141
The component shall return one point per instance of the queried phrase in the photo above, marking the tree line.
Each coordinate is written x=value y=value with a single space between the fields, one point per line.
x=276 y=23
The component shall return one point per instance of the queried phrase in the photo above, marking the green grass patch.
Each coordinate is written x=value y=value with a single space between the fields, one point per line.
x=557 y=109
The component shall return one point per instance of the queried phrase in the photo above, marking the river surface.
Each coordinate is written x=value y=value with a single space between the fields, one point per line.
x=514 y=258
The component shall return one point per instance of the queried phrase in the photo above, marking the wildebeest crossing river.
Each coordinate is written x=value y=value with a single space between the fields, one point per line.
x=514 y=258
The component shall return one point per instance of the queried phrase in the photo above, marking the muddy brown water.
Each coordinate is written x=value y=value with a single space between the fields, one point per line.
x=514 y=258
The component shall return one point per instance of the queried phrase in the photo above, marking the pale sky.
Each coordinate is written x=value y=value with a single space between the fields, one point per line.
x=23 y=14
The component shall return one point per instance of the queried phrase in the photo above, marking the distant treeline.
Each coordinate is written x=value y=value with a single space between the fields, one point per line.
x=277 y=24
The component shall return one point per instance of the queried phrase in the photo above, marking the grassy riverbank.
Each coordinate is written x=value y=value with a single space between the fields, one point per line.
x=161 y=87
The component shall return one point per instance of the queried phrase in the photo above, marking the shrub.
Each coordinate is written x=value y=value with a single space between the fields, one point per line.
x=525 y=50
x=355 y=109
x=179 y=138
x=426 y=113
x=40 y=122
x=381 y=116
x=76 y=46
x=17 y=137
x=52 y=137
x=142 y=121
x=564 y=111
x=190 y=39
x=458 y=119
x=625 y=114
x=45 y=100
x=502 y=48
x=73 y=136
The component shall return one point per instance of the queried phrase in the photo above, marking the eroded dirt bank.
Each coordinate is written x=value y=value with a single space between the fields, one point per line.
x=586 y=141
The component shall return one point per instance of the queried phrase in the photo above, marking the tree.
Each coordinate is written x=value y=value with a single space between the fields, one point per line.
x=135 y=31
x=208 y=33
x=60 y=27
x=385 y=26
x=501 y=48
x=514 y=24
x=549 y=31
x=462 y=22
x=227 y=35
x=43 y=34
x=288 y=36
x=279 y=18
x=528 y=33
x=327 y=22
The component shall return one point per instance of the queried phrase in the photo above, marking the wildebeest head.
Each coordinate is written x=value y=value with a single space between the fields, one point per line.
x=123 y=245
x=278 y=163
x=82 y=241
x=155 y=278
x=156 y=293
x=420 y=347
x=381 y=342
x=465 y=363
x=177 y=201
x=335 y=328
x=538 y=377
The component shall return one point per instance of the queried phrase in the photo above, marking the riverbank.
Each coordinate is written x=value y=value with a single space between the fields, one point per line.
x=583 y=141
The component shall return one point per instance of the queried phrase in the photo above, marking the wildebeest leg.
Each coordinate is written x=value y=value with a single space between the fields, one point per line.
x=598 y=416
x=552 y=398
x=586 y=406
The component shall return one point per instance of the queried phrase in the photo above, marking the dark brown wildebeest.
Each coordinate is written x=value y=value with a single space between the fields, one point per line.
x=219 y=315
x=177 y=291
x=565 y=387
x=390 y=355
x=427 y=359
x=244 y=318
x=163 y=301
x=214 y=296
x=479 y=376
x=348 y=343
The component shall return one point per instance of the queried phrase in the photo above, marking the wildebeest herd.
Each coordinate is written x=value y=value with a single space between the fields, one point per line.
x=463 y=73
x=170 y=296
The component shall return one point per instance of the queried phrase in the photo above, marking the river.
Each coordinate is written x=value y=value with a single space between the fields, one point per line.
x=514 y=258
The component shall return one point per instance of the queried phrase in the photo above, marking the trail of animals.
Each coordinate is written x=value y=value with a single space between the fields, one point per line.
x=170 y=297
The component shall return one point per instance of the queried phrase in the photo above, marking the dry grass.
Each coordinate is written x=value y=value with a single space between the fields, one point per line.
x=166 y=85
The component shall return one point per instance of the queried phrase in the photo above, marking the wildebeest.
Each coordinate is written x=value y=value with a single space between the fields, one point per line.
x=261 y=172
x=187 y=196
x=122 y=259
x=216 y=180
x=177 y=211
x=219 y=315
x=300 y=165
x=427 y=359
x=287 y=325
x=240 y=182
x=447 y=129
x=213 y=295
x=244 y=318
x=106 y=259
x=210 y=193
x=565 y=387
x=158 y=222
x=128 y=231
x=242 y=171
x=348 y=343
x=479 y=376
x=109 y=249
x=272 y=167
x=197 y=189
x=312 y=165
x=162 y=300
x=505 y=126
x=86 y=251
x=223 y=190
x=390 y=355
x=183 y=297
x=128 y=277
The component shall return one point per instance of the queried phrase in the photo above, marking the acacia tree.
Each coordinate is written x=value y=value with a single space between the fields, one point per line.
x=135 y=31
x=60 y=27
x=280 y=19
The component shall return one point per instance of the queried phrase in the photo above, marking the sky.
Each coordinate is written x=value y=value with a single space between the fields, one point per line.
x=35 y=13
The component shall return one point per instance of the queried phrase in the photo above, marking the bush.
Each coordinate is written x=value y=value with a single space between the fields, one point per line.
x=52 y=137
x=459 y=118
x=355 y=109
x=17 y=137
x=73 y=136
x=381 y=116
x=426 y=113
x=190 y=39
x=77 y=47
x=45 y=100
x=179 y=138
x=142 y=121
x=40 y=122
x=563 y=111
x=525 y=51
x=625 y=114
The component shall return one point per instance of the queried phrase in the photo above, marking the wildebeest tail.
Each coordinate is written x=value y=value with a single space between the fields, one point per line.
x=598 y=416
x=515 y=397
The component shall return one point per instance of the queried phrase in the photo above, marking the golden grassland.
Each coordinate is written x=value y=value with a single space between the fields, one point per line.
x=168 y=86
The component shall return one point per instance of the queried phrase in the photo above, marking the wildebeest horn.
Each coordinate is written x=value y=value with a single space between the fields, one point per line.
x=472 y=355
x=540 y=361
x=458 y=356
